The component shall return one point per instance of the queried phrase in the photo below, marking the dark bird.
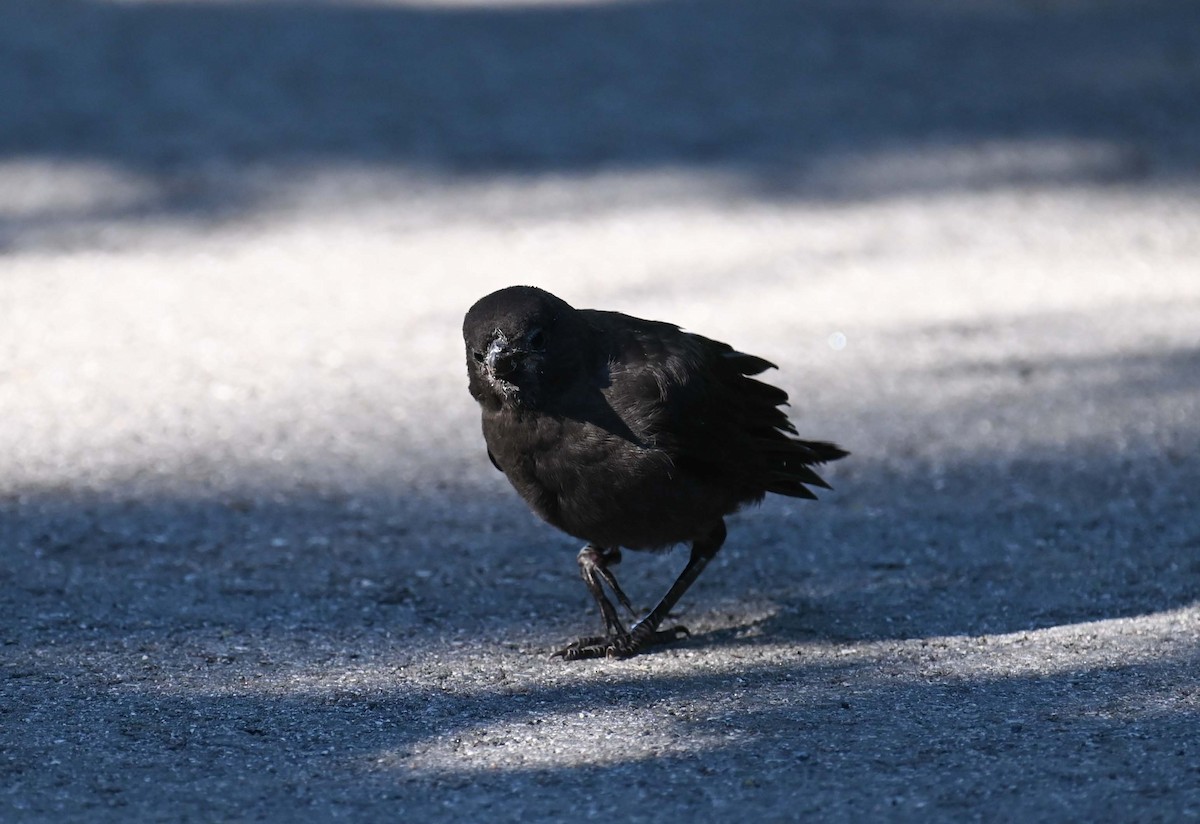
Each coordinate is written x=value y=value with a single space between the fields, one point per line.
x=629 y=433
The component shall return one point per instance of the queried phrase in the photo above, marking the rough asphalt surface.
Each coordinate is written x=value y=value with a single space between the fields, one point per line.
x=255 y=565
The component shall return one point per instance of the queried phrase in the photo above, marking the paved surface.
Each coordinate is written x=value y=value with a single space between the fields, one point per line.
x=254 y=563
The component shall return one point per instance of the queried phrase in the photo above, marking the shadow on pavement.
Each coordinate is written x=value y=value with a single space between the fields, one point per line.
x=1075 y=741
x=790 y=99
x=185 y=654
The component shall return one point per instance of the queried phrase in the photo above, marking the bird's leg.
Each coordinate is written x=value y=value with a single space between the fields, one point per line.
x=646 y=632
x=594 y=565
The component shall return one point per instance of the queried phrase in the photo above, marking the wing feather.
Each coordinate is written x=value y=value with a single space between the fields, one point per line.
x=697 y=399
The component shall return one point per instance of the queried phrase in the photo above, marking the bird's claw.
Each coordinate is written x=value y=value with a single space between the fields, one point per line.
x=623 y=645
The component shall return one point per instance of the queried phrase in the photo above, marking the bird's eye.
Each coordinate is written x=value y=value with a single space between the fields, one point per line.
x=479 y=357
x=537 y=339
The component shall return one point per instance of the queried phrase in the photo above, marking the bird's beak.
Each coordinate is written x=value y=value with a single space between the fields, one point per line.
x=501 y=358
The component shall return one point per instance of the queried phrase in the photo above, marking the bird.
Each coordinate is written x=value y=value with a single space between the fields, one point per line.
x=632 y=434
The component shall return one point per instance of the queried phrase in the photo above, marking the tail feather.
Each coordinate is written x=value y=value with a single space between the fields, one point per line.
x=823 y=451
x=790 y=464
x=793 y=489
x=787 y=460
x=748 y=364
x=800 y=474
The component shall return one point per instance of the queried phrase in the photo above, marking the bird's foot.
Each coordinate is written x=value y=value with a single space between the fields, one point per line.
x=622 y=645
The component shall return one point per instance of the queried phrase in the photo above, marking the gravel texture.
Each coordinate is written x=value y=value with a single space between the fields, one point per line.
x=255 y=565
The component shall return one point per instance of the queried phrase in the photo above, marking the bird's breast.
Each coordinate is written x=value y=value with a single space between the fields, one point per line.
x=577 y=475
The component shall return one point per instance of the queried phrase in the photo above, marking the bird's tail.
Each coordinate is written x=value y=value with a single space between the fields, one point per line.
x=790 y=463
x=788 y=460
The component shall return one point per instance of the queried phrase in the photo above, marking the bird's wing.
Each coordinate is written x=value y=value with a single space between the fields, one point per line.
x=697 y=399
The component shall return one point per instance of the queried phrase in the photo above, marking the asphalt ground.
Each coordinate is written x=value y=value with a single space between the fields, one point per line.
x=255 y=565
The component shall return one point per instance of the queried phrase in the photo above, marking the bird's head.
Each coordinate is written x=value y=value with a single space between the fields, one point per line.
x=520 y=346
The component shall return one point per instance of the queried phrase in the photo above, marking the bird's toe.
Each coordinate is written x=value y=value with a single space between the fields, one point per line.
x=593 y=647
x=624 y=645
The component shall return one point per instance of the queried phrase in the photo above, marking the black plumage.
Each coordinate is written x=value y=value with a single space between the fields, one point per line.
x=629 y=433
